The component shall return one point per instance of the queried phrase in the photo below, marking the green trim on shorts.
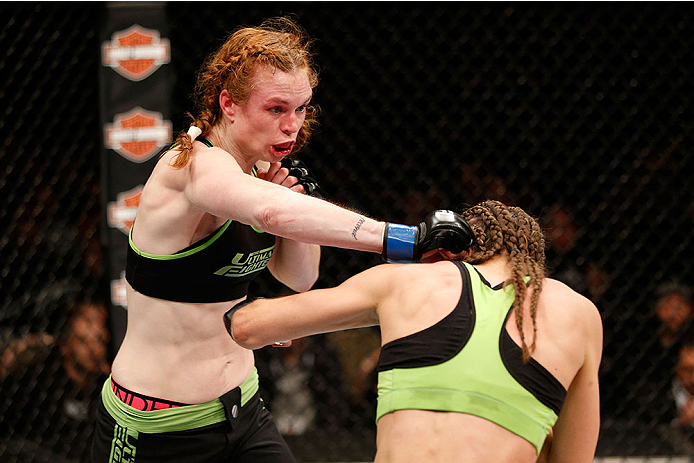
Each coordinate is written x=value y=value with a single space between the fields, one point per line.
x=249 y=387
x=172 y=419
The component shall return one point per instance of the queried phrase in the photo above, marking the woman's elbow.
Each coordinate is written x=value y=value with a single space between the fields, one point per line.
x=303 y=280
x=271 y=216
x=243 y=332
x=305 y=284
x=308 y=277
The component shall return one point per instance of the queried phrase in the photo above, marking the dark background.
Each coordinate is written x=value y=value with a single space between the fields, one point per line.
x=581 y=106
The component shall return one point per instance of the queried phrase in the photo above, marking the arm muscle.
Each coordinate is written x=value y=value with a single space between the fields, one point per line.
x=353 y=304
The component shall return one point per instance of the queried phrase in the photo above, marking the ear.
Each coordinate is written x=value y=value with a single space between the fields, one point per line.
x=227 y=105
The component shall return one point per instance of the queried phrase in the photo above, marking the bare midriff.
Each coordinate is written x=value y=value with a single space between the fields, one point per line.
x=179 y=351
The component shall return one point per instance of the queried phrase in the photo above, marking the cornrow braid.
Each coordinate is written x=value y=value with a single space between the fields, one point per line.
x=499 y=228
x=488 y=238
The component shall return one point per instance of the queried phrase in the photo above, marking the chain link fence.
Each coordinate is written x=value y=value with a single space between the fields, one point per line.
x=580 y=113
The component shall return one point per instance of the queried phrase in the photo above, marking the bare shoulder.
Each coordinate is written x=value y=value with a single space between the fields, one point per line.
x=201 y=159
x=441 y=274
x=573 y=307
x=405 y=278
x=559 y=289
x=167 y=182
x=422 y=284
x=214 y=158
x=206 y=164
x=417 y=296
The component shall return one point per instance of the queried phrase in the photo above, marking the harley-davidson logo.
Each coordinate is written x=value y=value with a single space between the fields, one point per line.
x=138 y=134
x=122 y=211
x=136 y=52
x=118 y=294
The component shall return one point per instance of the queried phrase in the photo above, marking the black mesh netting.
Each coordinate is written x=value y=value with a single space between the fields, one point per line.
x=579 y=113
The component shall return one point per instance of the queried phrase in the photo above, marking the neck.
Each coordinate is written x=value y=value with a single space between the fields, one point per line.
x=219 y=137
x=496 y=270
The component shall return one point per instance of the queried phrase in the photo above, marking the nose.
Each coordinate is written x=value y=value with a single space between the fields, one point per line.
x=290 y=124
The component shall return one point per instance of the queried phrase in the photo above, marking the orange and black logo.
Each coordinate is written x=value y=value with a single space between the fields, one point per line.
x=136 y=52
x=138 y=134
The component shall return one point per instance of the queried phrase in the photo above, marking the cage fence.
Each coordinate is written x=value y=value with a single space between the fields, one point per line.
x=581 y=113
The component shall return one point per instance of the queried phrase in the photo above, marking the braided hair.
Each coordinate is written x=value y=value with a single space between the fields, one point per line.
x=278 y=43
x=505 y=229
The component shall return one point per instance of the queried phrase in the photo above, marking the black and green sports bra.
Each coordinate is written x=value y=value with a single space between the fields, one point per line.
x=217 y=268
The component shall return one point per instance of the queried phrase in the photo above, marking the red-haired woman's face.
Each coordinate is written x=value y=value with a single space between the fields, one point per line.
x=266 y=126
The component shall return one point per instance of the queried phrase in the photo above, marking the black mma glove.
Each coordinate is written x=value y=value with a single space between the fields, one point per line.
x=230 y=313
x=299 y=170
x=440 y=229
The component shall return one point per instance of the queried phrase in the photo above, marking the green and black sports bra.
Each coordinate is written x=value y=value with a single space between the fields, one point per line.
x=216 y=268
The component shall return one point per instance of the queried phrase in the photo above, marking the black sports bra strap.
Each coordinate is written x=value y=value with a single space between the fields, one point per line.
x=205 y=142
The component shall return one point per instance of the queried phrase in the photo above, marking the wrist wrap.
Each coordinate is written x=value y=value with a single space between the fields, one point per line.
x=399 y=242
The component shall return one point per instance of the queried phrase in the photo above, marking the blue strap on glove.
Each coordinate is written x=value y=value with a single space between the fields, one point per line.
x=441 y=229
x=399 y=242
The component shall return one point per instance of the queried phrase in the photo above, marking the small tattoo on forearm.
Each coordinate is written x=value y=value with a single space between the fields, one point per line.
x=357 y=227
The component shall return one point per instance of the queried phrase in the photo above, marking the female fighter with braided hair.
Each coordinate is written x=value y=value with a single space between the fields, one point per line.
x=217 y=209
x=482 y=357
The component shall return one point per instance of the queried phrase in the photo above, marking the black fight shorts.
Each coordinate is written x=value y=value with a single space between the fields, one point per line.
x=234 y=428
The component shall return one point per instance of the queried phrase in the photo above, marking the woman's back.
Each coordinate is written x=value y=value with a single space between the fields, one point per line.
x=568 y=335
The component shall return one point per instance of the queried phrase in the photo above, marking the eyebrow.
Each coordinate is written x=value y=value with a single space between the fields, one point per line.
x=285 y=102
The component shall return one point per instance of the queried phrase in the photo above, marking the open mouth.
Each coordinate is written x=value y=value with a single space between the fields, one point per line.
x=283 y=149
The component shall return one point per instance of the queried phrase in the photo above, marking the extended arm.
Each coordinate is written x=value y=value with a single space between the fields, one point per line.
x=218 y=186
x=352 y=304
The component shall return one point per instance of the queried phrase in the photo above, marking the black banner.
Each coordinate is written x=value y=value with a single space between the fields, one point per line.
x=135 y=81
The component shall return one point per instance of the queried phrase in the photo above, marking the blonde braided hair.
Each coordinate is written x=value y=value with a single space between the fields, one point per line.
x=278 y=43
x=505 y=229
